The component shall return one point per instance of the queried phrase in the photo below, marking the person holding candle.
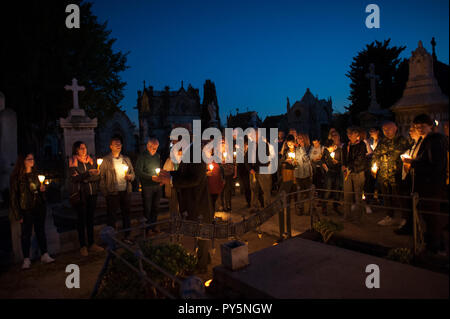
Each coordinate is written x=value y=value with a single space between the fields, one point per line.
x=389 y=168
x=406 y=186
x=171 y=165
x=303 y=172
x=229 y=173
x=287 y=183
x=354 y=163
x=27 y=205
x=429 y=180
x=216 y=182
x=84 y=178
x=116 y=175
x=331 y=163
x=147 y=165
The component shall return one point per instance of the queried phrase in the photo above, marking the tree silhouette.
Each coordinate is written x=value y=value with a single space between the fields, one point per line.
x=40 y=55
x=392 y=72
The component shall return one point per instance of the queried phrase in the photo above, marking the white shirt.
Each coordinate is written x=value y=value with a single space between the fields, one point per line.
x=120 y=174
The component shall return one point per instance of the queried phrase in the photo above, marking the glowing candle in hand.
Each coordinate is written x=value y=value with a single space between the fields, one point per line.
x=125 y=169
x=41 y=178
x=332 y=155
x=157 y=170
x=291 y=155
x=99 y=161
x=403 y=156
x=374 y=168
x=211 y=166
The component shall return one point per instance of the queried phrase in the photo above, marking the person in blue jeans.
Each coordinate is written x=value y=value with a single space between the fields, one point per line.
x=146 y=166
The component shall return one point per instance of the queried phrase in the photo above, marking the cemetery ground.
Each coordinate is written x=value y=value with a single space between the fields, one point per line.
x=48 y=281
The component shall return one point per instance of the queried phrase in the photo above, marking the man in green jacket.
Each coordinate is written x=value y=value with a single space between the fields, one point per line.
x=146 y=166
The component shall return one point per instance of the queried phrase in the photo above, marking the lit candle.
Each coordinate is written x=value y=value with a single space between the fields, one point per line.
x=225 y=154
x=47 y=182
x=363 y=196
x=436 y=122
x=157 y=170
x=125 y=169
x=291 y=155
x=99 y=161
x=332 y=155
x=41 y=178
x=211 y=166
x=234 y=154
x=374 y=168
x=403 y=156
x=237 y=184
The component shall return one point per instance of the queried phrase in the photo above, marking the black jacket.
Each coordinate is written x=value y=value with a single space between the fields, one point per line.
x=84 y=181
x=354 y=157
x=430 y=165
x=25 y=195
x=191 y=183
x=327 y=160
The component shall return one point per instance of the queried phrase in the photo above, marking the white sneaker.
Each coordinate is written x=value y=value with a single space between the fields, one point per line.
x=26 y=263
x=386 y=221
x=46 y=259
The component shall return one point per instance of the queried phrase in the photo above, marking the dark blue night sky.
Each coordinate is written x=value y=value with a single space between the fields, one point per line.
x=260 y=52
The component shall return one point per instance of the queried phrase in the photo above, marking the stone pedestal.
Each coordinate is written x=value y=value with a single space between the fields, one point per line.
x=8 y=144
x=78 y=127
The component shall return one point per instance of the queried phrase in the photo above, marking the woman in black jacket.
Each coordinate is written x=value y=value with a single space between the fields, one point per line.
x=84 y=177
x=28 y=206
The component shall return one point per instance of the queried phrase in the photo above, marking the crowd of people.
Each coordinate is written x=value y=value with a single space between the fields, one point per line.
x=347 y=175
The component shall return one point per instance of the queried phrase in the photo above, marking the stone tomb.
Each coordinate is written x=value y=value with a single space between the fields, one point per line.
x=304 y=269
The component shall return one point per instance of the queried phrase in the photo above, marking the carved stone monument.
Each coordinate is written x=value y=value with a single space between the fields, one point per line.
x=8 y=143
x=422 y=93
x=375 y=115
x=77 y=126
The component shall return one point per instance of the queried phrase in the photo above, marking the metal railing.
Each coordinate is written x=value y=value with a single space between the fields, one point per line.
x=414 y=199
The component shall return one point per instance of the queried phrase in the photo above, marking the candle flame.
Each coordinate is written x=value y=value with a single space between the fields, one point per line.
x=332 y=155
x=208 y=283
x=157 y=170
x=99 y=161
x=291 y=155
x=125 y=168
x=237 y=184
x=41 y=178
x=374 y=168
x=211 y=166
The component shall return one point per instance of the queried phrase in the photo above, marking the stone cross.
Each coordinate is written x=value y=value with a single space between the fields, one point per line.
x=75 y=88
x=373 y=94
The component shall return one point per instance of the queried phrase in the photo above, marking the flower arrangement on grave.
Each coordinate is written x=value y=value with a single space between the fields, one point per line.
x=327 y=227
x=402 y=255
x=121 y=282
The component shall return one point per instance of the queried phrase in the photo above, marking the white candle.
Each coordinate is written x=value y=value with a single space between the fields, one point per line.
x=41 y=178
x=374 y=168
x=125 y=169
x=403 y=156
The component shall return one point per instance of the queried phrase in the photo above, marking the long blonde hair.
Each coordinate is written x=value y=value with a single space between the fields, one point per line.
x=305 y=138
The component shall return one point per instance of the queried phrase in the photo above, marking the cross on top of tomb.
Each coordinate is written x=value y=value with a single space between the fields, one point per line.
x=75 y=89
